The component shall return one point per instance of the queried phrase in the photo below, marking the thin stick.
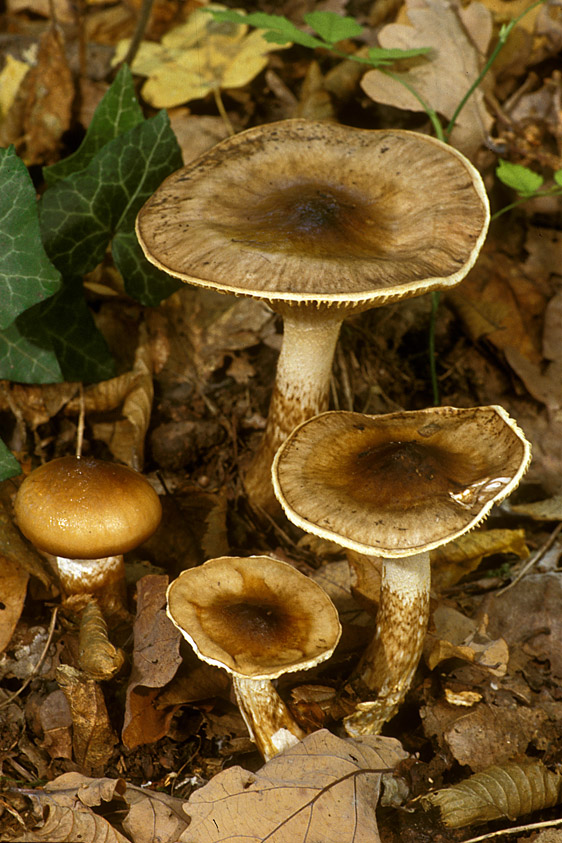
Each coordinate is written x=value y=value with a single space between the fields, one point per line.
x=514 y=830
x=39 y=663
x=533 y=559
x=80 y=429
x=142 y=23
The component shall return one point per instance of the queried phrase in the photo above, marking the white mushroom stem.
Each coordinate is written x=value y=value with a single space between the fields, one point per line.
x=269 y=721
x=302 y=390
x=103 y=578
x=390 y=661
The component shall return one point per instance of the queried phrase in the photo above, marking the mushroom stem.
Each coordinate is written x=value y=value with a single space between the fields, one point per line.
x=302 y=389
x=389 y=662
x=269 y=721
x=103 y=578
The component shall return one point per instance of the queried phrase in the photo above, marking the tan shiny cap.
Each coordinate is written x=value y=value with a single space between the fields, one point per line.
x=86 y=508
x=256 y=617
x=303 y=212
x=398 y=484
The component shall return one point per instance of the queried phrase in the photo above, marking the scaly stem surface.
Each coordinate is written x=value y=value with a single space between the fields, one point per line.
x=389 y=662
x=269 y=721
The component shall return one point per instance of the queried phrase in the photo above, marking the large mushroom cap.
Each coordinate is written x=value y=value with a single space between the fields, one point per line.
x=256 y=617
x=300 y=211
x=398 y=484
x=86 y=508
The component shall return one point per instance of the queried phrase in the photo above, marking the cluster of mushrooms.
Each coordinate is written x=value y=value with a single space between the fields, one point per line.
x=322 y=220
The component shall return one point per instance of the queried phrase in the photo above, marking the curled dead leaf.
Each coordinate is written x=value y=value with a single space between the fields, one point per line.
x=500 y=792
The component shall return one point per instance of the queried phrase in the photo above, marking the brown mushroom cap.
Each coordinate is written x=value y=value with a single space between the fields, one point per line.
x=255 y=617
x=84 y=508
x=398 y=484
x=309 y=212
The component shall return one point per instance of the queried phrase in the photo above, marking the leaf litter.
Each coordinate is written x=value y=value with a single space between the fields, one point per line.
x=489 y=687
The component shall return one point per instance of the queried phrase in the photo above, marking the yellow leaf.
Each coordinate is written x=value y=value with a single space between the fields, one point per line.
x=11 y=78
x=198 y=57
x=458 y=558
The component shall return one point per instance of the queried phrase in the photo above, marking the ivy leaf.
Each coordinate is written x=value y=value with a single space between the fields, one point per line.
x=380 y=57
x=9 y=466
x=117 y=112
x=333 y=27
x=277 y=29
x=80 y=348
x=81 y=214
x=26 y=350
x=524 y=181
x=26 y=274
x=558 y=177
x=143 y=281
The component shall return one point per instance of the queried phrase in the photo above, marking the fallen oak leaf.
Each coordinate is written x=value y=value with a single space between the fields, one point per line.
x=323 y=788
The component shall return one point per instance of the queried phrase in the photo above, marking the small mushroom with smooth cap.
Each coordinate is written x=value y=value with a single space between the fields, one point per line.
x=319 y=220
x=85 y=513
x=257 y=618
x=394 y=487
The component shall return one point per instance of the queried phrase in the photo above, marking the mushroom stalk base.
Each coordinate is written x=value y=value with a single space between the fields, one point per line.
x=269 y=721
x=390 y=661
x=302 y=390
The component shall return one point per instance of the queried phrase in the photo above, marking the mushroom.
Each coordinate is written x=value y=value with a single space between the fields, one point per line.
x=318 y=220
x=394 y=487
x=85 y=513
x=257 y=618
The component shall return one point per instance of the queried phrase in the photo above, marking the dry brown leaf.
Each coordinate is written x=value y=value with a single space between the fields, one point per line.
x=13 y=588
x=454 y=56
x=324 y=788
x=546 y=510
x=156 y=659
x=19 y=552
x=56 y=723
x=455 y=560
x=93 y=738
x=68 y=801
x=499 y=792
x=50 y=95
x=36 y=404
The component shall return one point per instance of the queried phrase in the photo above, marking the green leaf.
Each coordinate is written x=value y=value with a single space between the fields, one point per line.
x=379 y=57
x=143 y=281
x=9 y=466
x=524 y=181
x=117 y=112
x=558 y=177
x=277 y=29
x=333 y=27
x=26 y=274
x=26 y=350
x=80 y=348
x=80 y=215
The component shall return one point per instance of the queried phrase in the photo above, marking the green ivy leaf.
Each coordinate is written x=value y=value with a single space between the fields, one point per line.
x=9 y=466
x=524 y=181
x=333 y=27
x=117 y=112
x=558 y=177
x=26 y=274
x=80 y=348
x=26 y=350
x=277 y=29
x=379 y=57
x=81 y=214
x=143 y=281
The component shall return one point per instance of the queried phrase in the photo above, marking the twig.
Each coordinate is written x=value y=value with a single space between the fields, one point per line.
x=80 y=429
x=514 y=830
x=142 y=23
x=39 y=663
x=533 y=559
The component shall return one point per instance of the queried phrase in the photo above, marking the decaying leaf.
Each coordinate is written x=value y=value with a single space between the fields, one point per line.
x=197 y=57
x=455 y=560
x=13 y=588
x=155 y=661
x=549 y=509
x=500 y=792
x=66 y=804
x=324 y=788
x=93 y=738
x=455 y=56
